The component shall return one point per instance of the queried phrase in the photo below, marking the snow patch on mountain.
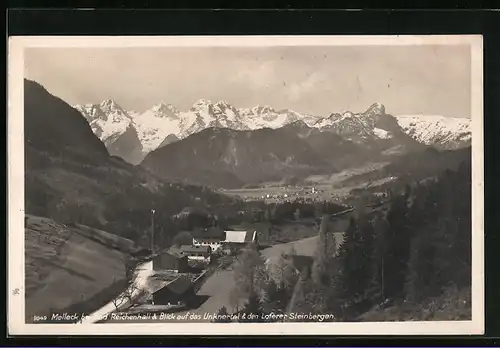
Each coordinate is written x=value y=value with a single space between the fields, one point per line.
x=357 y=127
x=446 y=132
x=106 y=119
x=160 y=121
x=381 y=133
x=155 y=124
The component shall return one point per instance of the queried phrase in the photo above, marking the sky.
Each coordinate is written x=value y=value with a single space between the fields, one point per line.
x=316 y=80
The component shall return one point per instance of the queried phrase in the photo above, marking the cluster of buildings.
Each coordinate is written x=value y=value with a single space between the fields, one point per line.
x=205 y=243
x=180 y=261
x=288 y=196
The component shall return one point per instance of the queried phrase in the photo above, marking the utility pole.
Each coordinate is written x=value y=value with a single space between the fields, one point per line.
x=383 y=279
x=152 y=231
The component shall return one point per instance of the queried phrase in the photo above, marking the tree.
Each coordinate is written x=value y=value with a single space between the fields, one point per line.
x=319 y=275
x=292 y=180
x=365 y=254
x=398 y=249
x=297 y=215
x=421 y=266
x=376 y=288
x=130 y=264
x=300 y=302
x=119 y=300
x=222 y=316
x=351 y=272
x=252 y=311
x=283 y=273
x=249 y=273
x=182 y=238
x=132 y=293
x=275 y=297
x=268 y=214
x=190 y=219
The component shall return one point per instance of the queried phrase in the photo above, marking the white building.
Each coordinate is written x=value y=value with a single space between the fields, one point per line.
x=210 y=237
x=240 y=237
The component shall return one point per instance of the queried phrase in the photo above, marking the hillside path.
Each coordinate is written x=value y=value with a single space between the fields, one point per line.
x=143 y=272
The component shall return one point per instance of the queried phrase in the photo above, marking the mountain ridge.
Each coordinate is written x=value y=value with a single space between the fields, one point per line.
x=229 y=158
x=153 y=126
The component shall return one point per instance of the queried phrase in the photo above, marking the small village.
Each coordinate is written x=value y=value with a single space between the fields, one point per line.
x=180 y=271
x=288 y=194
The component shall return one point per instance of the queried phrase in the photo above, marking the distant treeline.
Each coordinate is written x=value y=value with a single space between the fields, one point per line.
x=275 y=213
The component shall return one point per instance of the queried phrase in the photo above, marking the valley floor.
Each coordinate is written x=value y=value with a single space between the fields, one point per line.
x=329 y=187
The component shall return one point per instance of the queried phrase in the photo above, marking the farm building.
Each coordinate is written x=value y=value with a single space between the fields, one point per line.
x=240 y=237
x=172 y=261
x=176 y=292
x=196 y=252
x=211 y=237
x=236 y=240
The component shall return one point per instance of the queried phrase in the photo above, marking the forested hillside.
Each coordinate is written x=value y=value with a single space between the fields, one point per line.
x=71 y=178
x=409 y=259
x=413 y=258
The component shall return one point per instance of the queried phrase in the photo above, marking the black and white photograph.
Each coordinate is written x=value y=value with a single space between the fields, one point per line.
x=197 y=185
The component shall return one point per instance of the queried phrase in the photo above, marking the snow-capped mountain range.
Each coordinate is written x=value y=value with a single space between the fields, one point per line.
x=164 y=123
x=440 y=131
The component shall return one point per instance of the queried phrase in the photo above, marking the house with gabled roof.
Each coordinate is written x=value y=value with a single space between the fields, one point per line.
x=196 y=252
x=236 y=240
x=171 y=261
x=240 y=237
x=175 y=292
x=212 y=237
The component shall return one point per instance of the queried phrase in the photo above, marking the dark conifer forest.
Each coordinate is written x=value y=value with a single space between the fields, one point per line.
x=410 y=260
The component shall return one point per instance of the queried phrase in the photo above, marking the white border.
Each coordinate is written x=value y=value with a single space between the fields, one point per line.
x=16 y=317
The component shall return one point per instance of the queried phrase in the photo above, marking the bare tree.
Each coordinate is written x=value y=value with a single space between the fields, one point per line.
x=249 y=273
x=283 y=272
x=119 y=300
x=130 y=264
x=132 y=292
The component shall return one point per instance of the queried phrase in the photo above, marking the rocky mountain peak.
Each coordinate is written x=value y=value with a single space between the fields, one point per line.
x=262 y=109
x=165 y=110
x=201 y=104
x=375 y=109
x=110 y=105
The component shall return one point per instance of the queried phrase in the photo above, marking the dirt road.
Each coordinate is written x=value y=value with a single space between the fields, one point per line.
x=143 y=272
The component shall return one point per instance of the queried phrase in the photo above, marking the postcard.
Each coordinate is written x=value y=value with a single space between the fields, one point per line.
x=228 y=185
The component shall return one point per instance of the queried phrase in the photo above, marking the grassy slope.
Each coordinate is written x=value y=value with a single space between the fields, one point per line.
x=66 y=265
